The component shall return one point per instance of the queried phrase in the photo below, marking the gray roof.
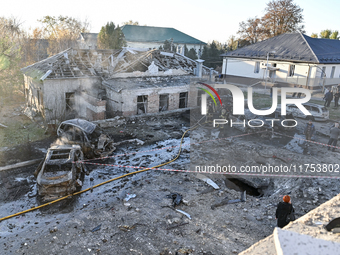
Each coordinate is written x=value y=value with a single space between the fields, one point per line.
x=89 y=36
x=292 y=47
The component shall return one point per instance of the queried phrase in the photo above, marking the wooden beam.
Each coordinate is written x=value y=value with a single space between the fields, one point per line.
x=21 y=164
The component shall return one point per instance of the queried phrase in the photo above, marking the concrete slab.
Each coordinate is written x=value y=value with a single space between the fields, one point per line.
x=290 y=243
x=311 y=224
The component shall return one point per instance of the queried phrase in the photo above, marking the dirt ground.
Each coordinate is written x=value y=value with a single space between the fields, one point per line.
x=101 y=222
x=148 y=223
x=22 y=139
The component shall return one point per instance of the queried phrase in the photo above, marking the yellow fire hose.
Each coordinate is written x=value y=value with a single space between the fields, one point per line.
x=100 y=184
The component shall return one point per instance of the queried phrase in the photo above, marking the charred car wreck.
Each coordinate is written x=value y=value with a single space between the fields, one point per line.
x=92 y=139
x=61 y=173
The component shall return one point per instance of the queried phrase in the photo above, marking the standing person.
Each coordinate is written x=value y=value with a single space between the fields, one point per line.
x=210 y=112
x=224 y=115
x=333 y=137
x=294 y=94
x=336 y=99
x=271 y=92
x=284 y=209
x=299 y=94
x=309 y=130
x=326 y=91
x=328 y=98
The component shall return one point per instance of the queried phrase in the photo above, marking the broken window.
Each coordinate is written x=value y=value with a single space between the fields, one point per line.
x=142 y=104
x=183 y=100
x=70 y=101
x=257 y=67
x=163 y=102
x=291 y=70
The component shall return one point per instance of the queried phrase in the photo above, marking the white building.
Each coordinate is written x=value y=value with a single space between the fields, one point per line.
x=293 y=59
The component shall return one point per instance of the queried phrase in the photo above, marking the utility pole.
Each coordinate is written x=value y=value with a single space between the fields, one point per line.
x=269 y=52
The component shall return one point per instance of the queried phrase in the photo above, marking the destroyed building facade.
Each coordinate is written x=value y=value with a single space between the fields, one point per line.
x=99 y=84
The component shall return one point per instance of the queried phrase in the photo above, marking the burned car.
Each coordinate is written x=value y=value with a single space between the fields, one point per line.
x=92 y=139
x=60 y=173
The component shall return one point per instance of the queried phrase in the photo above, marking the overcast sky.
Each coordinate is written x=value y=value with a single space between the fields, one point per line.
x=204 y=20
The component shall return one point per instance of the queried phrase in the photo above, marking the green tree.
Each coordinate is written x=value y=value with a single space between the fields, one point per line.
x=334 y=35
x=282 y=16
x=10 y=56
x=314 y=35
x=186 y=50
x=211 y=54
x=111 y=37
x=167 y=46
x=325 y=33
x=232 y=43
x=192 y=54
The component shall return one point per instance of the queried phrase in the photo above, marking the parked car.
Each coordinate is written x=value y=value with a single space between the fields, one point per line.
x=60 y=173
x=276 y=124
x=92 y=139
x=319 y=112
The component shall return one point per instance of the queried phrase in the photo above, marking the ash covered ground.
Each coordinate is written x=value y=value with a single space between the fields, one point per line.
x=147 y=223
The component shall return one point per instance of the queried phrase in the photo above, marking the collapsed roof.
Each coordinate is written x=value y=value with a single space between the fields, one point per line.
x=292 y=47
x=77 y=63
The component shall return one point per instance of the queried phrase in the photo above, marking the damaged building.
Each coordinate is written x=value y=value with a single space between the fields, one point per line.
x=99 y=84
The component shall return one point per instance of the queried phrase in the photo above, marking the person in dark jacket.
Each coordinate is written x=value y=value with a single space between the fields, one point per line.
x=299 y=94
x=328 y=98
x=283 y=209
x=309 y=130
x=336 y=99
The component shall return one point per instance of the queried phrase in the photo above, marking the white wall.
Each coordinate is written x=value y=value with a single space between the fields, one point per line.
x=55 y=90
x=129 y=99
x=245 y=68
x=151 y=45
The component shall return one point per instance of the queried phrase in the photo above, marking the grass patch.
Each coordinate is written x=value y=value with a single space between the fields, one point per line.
x=21 y=133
